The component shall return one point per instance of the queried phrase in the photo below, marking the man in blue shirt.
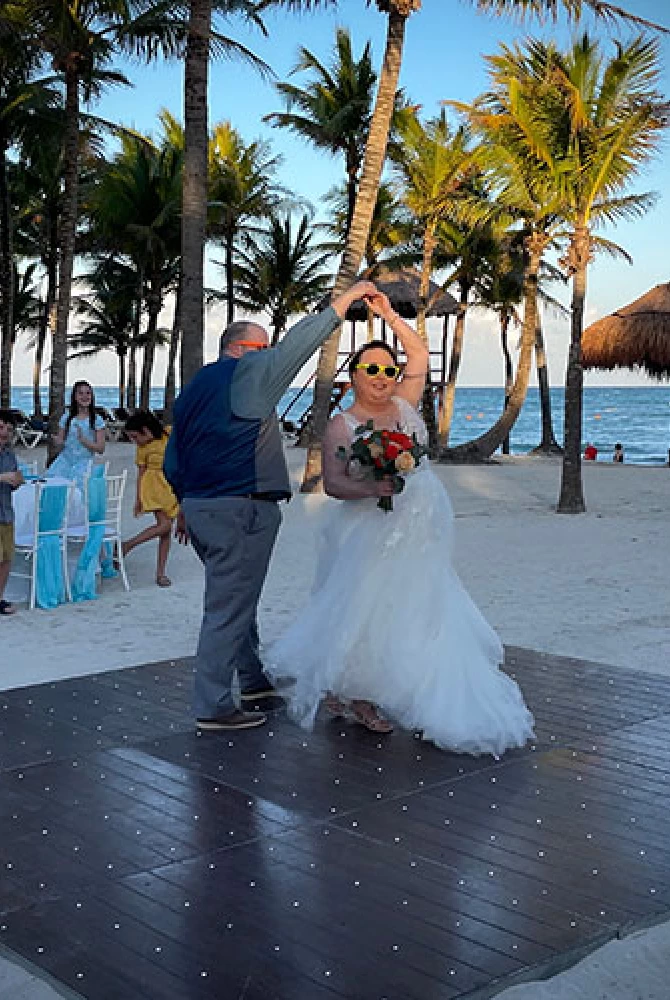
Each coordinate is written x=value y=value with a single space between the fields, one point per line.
x=225 y=463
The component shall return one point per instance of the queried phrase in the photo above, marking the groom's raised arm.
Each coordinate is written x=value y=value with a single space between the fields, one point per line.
x=262 y=377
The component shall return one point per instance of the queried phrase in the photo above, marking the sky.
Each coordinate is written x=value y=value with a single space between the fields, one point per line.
x=445 y=46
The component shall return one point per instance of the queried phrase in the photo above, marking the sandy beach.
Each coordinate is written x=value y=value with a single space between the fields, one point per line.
x=592 y=586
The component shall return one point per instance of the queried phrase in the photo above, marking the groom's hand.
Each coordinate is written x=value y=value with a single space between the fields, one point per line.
x=181 y=531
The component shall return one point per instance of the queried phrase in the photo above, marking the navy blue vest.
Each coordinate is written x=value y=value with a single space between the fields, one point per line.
x=218 y=453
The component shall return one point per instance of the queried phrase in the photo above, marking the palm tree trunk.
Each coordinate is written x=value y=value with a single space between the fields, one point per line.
x=149 y=355
x=509 y=368
x=571 y=499
x=354 y=251
x=37 y=361
x=171 y=374
x=194 y=192
x=48 y=320
x=131 y=401
x=131 y=395
x=427 y=400
x=6 y=283
x=352 y=188
x=122 y=378
x=447 y=414
x=230 y=280
x=548 y=443
x=484 y=446
x=68 y=227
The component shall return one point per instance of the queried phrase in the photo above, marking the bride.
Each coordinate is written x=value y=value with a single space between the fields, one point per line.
x=389 y=631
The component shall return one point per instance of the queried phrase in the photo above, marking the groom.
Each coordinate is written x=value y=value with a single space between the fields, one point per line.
x=225 y=463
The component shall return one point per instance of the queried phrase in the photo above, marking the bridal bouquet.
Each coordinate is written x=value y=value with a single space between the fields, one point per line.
x=376 y=454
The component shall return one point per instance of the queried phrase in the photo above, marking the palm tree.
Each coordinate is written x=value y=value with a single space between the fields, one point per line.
x=434 y=165
x=81 y=40
x=242 y=190
x=398 y=12
x=39 y=193
x=502 y=293
x=202 y=41
x=469 y=245
x=603 y=120
x=134 y=209
x=106 y=313
x=21 y=98
x=283 y=272
x=27 y=301
x=523 y=191
x=333 y=111
x=389 y=230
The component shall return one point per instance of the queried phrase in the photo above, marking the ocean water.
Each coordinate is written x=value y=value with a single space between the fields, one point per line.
x=639 y=417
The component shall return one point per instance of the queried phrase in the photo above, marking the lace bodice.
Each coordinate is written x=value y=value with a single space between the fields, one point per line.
x=409 y=422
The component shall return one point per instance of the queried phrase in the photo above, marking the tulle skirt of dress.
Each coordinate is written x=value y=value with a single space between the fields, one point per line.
x=389 y=621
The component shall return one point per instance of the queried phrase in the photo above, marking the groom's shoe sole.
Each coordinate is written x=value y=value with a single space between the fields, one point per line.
x=254 y=694
x=238 y=720
x=264 y=700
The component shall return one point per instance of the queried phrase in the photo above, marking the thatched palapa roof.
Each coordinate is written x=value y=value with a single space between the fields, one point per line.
x=636 y=336
x=402 y=289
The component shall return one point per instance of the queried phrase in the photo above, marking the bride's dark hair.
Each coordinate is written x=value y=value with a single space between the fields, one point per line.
x=355 y=358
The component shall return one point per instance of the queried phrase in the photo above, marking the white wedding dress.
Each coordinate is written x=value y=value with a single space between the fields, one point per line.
x=389 y=621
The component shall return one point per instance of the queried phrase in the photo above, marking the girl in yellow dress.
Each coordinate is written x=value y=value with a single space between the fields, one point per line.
x=154 y=495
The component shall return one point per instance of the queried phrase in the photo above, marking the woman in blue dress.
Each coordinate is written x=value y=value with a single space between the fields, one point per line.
x=81 y=436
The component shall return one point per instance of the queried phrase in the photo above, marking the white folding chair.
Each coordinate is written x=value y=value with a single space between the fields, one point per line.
x=28 y=468
x=50 y=522
x=115 y=489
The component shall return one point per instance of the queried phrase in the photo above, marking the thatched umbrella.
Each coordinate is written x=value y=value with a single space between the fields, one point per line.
x=402 y=289
x=636 y=336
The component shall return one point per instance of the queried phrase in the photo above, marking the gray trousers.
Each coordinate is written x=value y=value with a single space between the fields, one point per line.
x=234 y=538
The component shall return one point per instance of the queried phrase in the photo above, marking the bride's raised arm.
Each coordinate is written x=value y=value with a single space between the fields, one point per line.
x=411 y=384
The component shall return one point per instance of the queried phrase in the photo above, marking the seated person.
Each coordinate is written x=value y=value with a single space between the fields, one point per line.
x=590 y=452
x=617 y=455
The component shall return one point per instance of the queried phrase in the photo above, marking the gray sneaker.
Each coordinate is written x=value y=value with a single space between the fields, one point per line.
x=236 y=720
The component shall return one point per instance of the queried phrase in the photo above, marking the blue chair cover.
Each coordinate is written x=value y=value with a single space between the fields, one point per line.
x=49 y=582
x=106 y=560
x=83 y=583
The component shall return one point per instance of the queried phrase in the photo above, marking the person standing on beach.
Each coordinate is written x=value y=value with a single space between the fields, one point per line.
x=389 y=633
x=154 y=496
x=226 y=465
x=10 y=479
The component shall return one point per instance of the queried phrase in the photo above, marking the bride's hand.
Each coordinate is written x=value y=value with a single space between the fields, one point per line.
x=380 y=305
x=385 y=487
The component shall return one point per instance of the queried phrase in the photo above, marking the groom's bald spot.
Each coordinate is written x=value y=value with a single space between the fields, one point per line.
x=241 y=330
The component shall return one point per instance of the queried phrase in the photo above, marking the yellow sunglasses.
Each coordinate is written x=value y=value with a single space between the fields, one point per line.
x=373 y=369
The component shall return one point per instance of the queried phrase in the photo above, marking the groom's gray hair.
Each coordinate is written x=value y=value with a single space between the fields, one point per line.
x=239 y=330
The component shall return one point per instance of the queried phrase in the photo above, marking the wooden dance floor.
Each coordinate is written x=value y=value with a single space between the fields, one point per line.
x=141 y=861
